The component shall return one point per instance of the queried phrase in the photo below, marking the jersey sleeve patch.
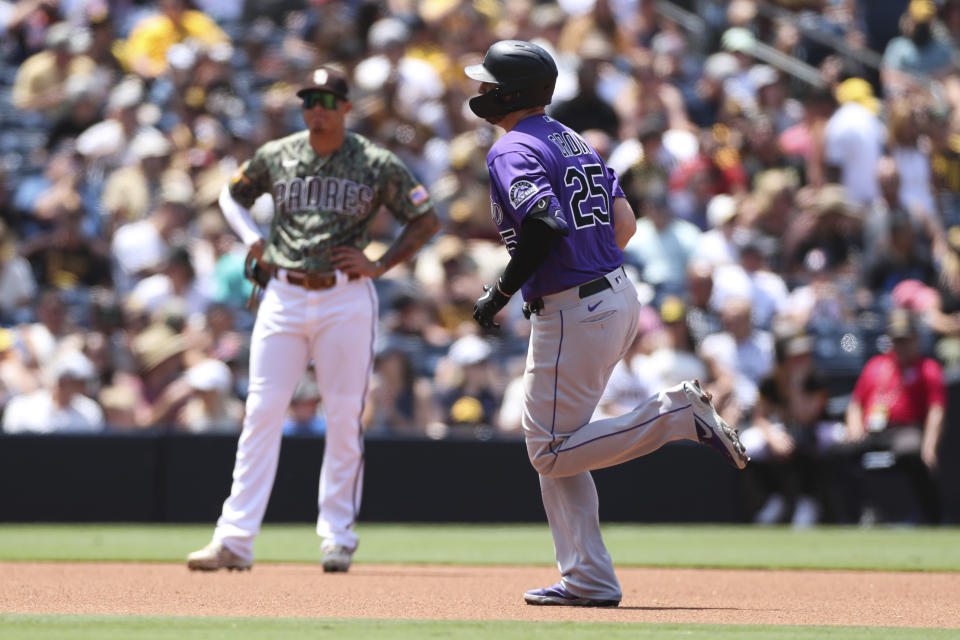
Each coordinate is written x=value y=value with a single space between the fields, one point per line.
x=418 y=195
x=521 y=191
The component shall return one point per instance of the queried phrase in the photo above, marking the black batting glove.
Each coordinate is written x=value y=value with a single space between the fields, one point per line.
x=488 y=305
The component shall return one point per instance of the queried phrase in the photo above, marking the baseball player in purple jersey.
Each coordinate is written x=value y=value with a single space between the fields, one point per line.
x=564 y=220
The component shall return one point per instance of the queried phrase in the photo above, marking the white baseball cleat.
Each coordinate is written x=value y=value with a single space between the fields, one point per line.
x=216 y=556
x=336 y=558
x=711 y=428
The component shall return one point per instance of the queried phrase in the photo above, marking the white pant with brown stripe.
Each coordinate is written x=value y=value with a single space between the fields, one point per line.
x=574 y=346
x=336 y=328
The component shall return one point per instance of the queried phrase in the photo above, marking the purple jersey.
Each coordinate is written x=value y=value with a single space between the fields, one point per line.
x=542 y=157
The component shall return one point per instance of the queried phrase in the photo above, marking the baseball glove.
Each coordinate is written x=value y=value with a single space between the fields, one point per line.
x=256 y=274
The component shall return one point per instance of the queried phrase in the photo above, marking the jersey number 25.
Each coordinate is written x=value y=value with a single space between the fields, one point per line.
x=587 y=182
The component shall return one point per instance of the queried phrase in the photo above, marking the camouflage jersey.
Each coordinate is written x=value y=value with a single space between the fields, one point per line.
x=322 y=202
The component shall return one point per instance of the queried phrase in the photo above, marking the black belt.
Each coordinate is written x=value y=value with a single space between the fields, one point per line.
x=586 y=290
x=594 y=286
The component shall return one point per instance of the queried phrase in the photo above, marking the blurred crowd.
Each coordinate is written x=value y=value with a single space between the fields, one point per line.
x=794 y=164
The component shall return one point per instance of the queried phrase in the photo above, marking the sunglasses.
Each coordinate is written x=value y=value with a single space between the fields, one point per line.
x=322 y=98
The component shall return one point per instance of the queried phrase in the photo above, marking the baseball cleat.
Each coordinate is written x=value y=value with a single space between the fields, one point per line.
x=336 y=558
x=558 y=596
x=216 y=556
x=711 y=428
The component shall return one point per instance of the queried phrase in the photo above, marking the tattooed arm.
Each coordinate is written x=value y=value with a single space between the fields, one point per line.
x=415 y=234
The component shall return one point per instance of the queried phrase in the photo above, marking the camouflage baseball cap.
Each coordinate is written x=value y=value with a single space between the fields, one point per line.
x=326 y=79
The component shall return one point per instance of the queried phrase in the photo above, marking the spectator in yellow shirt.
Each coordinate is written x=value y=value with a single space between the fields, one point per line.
x=41 y=81
x=145 y=51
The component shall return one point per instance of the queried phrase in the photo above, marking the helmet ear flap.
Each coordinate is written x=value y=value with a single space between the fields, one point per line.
x=489 y=104
x=497 y=102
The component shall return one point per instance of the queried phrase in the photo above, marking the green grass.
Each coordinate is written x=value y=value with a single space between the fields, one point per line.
x=891 y=549
x=19 y=627
x=921 y=549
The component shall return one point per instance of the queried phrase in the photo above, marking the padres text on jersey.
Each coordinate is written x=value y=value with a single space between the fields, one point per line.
x=321 y=202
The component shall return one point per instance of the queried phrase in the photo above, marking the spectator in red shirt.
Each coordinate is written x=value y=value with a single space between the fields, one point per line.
x=898 y=406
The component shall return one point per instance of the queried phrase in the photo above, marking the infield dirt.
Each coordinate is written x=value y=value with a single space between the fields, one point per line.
x=477 y=592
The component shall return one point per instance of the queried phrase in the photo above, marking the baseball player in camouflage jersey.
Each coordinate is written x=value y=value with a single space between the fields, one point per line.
x=319 y=302
x=564 y=220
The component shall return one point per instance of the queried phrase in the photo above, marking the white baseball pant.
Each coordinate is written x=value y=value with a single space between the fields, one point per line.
x=335 y=327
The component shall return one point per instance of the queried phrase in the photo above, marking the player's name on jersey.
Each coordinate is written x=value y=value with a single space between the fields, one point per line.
x=569 y=144
x=322 y=192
